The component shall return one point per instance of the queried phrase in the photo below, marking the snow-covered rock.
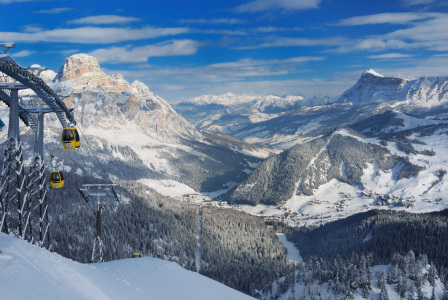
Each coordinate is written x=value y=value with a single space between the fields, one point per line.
x=110 y=101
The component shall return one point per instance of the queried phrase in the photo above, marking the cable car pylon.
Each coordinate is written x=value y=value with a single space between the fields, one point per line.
x=101 y=195
x=37 y=185
x=23 y=208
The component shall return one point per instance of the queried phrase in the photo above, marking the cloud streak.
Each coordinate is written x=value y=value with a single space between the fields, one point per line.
x=391 y=56
x=53 y=11
x=387 y=18
x=13 y=1
x=104 y=20
x=130 y=54
x=23 y=53
x=228 y=21
x=266 y=5
x=91 y=35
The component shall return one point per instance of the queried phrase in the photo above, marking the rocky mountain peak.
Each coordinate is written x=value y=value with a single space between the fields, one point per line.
x=77 y=65
x=372 y=86
x=371 y=72
x=100 y=100
x=141 y=89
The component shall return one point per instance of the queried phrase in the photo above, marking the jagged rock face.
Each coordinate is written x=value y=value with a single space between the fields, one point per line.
x=110 y=101
x=77 y=65
x=372 y=87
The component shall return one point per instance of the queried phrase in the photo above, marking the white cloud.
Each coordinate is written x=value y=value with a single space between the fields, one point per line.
x=130 y=54
x=22 y=53
x=266 y=5
x=422 y=31
x=391 y=56
x=431 y=34
x=417 y=2
x=297 y=42
x=91 y=35
x=53 y=11
x=432 y=66
x=269 y=29
x=374 y=43
x=221 y=31
x=13 y=1
x=386 y=18
x=104 y=19
x=244 y=70
x=228 y=21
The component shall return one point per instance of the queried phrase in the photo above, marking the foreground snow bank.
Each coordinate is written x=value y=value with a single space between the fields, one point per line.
x=29 y=272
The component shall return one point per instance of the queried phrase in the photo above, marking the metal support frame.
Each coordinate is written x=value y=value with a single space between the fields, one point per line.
x=96 y=194
x=37 y=185
x=14 y=194
x=23 y=205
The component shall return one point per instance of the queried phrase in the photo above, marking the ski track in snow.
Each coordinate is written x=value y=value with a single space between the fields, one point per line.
x=293 y=252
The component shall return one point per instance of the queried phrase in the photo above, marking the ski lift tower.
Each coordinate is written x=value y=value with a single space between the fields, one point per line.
x=16 y=205
x=14 y=197
x=101 y=195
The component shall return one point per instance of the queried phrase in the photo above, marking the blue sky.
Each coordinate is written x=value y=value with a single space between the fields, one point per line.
x=189 y=48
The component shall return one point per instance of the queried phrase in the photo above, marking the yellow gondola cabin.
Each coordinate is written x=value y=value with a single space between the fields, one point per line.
x=56 y=179
x=70 y=138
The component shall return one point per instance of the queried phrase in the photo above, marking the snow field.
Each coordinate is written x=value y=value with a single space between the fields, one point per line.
x=29 y=272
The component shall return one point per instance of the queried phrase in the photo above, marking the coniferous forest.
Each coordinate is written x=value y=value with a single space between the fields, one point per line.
x=366 y=254
x=237 y=249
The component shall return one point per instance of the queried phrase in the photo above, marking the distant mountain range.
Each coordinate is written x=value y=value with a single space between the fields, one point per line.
x=382 y=143
x=306 y=118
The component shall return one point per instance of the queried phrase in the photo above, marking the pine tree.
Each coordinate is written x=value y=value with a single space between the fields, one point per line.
x=380 y=275
x=401 y=286
x=432 y=274
x=383 y=294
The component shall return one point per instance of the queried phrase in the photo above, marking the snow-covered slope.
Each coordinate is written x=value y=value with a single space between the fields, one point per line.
x=422 y=92
x=399 y=163
x=29 y=272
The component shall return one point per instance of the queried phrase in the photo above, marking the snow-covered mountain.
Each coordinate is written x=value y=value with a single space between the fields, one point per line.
x=30 y=272
x=422 y=92
x=218 y=112
x=110 y=102
x=302 y=119
x=127 y=132
x=390 y=161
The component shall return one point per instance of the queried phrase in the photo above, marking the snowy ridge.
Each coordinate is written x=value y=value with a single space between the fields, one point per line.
x=230 y=99
x=422 y=92
x=29 y=272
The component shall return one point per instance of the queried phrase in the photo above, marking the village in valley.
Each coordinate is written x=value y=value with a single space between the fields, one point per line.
x=331 y=207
